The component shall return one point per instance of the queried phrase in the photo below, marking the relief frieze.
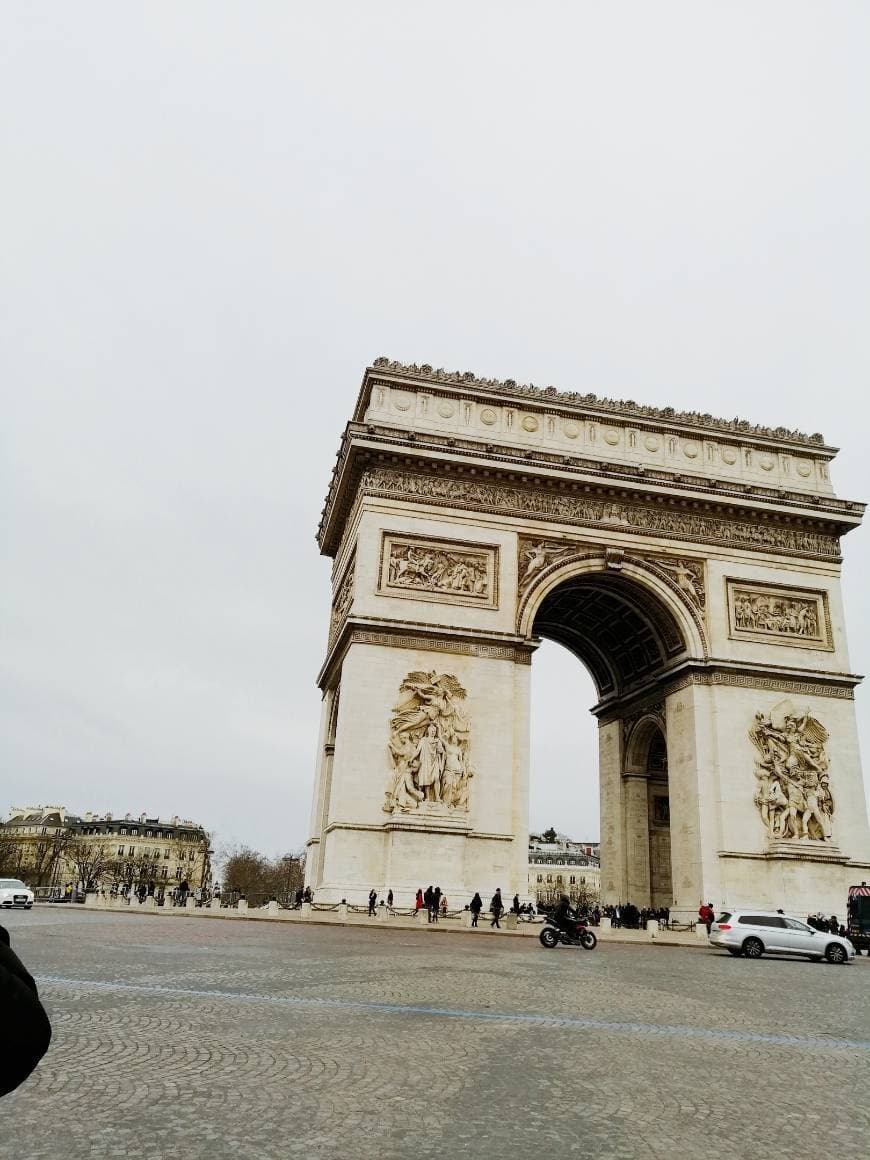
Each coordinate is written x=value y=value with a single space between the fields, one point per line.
x=773 y=614
x=648 y=519
x=342 y=601
x=442 y=570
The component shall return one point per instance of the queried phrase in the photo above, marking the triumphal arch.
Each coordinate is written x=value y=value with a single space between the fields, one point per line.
x=691 y=563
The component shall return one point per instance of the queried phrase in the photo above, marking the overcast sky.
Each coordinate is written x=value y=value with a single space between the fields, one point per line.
x=214 y=215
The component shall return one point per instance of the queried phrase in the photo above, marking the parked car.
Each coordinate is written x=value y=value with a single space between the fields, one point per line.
x=754 y=933
x=14 y=893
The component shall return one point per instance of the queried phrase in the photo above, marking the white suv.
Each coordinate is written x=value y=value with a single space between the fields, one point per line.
x=756 y=932
x=14 y=893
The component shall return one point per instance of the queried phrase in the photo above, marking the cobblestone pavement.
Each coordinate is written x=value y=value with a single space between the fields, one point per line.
x=197 y=1039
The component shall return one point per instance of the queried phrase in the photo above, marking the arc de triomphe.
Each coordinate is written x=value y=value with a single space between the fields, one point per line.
x=692 y=564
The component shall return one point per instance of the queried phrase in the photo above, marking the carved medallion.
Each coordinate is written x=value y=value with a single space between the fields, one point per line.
x=793 y=793
x=774 y=614
x=428 y=747
x=442 y=570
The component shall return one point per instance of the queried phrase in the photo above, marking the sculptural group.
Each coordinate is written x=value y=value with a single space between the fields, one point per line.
x=428 y=745
x=794 y=793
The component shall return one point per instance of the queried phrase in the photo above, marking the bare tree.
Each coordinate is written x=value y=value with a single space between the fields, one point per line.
x=90 y=860
x=11 y=854
x=250 y=873
x=46 y=855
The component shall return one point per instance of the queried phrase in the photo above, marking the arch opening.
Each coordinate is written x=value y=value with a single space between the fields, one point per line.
x=619 y=629
x=625 y=636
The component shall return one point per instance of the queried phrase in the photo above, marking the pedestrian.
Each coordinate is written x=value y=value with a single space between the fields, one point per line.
x=427 y=899
x=418 y=903
x=834 y=925
x=436 y=903
x=475 y=906
x=390 y=899
x=516 y=905
x=495 y=908
x=706 y=915
x=443 y=905
x=373 y=900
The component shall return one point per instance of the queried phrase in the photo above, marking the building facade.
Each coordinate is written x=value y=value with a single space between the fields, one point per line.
x=100 y=851
x=563 y=866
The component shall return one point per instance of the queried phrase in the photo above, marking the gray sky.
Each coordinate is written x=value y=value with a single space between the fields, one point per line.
x=215 y=214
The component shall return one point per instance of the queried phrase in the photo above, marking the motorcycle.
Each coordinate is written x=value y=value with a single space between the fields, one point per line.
x=552 y=935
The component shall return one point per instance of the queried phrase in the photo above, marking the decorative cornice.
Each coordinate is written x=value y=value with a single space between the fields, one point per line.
x=626 y=408
x=716 y=671
x=428 y=638
x=806 y=688
x=507 y=460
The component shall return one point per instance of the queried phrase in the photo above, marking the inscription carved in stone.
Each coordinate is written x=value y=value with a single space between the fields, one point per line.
x=439 y=570
x=793 y=792
x=428 y=745
x=778 y=615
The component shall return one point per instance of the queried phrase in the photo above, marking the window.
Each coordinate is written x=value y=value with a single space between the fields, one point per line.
x=134 y=832
x=725 y=916
x=769 y=920
x=549 y=877
x=121 y=851
x=793 y=924
x=123 y=829
x=573 y=879
x=131 y=851
x=165 y=871
x=540 y=877
x=166 y=852
x=147 y=833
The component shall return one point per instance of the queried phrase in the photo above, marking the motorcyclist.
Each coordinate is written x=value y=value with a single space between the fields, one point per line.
x=563 y=917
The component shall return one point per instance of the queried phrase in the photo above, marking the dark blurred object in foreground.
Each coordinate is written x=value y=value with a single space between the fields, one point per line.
x=25 y=1031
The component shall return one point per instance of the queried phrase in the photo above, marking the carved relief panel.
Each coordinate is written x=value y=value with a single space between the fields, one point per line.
x=793 y=791
x=778 y=615
x=342 y=600
x=428 y=746
x=449 y=571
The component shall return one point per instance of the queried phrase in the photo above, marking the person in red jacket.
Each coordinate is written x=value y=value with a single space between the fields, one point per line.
x=706 y=914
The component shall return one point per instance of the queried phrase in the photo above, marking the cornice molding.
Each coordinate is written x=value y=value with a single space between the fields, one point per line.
x=588 y=403
x=508 y=459
x=426 y=637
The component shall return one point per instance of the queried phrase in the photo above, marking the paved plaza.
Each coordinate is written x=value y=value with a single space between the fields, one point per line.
x=199 y=1038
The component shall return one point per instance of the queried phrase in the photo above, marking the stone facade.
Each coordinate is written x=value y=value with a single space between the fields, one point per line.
x=692 y=564
x=161 y=854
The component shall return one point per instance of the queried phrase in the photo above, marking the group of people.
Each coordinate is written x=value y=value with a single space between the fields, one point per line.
x=626 y=914
x=830 y=925
x=373 y=901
